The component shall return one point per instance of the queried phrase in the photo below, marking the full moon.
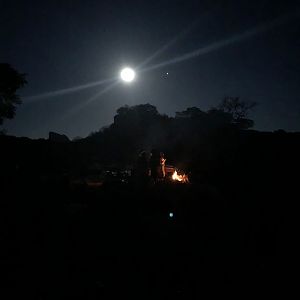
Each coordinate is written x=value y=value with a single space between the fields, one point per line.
x=127 y=75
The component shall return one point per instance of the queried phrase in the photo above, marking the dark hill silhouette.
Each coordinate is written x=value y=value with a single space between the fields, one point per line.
x=56 y=137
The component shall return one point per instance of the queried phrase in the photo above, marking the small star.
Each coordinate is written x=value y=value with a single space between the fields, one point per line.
x=167 y=73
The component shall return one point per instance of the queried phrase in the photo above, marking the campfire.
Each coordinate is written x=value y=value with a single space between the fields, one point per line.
x=181 y=178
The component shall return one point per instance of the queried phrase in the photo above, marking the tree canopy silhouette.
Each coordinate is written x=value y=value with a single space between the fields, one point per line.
x=143 y=127
x=239 y=111
x=10 y=81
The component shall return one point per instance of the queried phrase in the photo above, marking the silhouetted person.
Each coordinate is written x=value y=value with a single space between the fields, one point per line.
x=162 y=162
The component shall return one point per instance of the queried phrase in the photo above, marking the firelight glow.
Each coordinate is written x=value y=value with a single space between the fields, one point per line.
x=127 y=74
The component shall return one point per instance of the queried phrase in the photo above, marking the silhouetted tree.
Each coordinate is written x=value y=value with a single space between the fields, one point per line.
x=10 y=81
x=193 y=135
x=239 y=110
x=136 y=115
x=190 y=113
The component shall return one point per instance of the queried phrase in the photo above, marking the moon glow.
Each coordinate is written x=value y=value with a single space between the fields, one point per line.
x=127 y=74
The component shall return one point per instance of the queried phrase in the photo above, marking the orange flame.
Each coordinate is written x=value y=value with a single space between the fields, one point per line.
x=181 y=178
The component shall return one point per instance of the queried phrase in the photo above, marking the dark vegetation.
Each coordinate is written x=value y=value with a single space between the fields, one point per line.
x=77 y=223
x=10 y=81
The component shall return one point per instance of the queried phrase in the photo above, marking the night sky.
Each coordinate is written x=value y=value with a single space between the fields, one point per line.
x=205 y=50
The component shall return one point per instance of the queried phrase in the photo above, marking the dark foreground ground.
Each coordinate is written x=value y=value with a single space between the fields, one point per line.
x=233 y=229
x=115 y=240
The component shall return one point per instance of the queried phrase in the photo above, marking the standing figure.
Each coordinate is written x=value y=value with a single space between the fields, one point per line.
x=162 y=162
